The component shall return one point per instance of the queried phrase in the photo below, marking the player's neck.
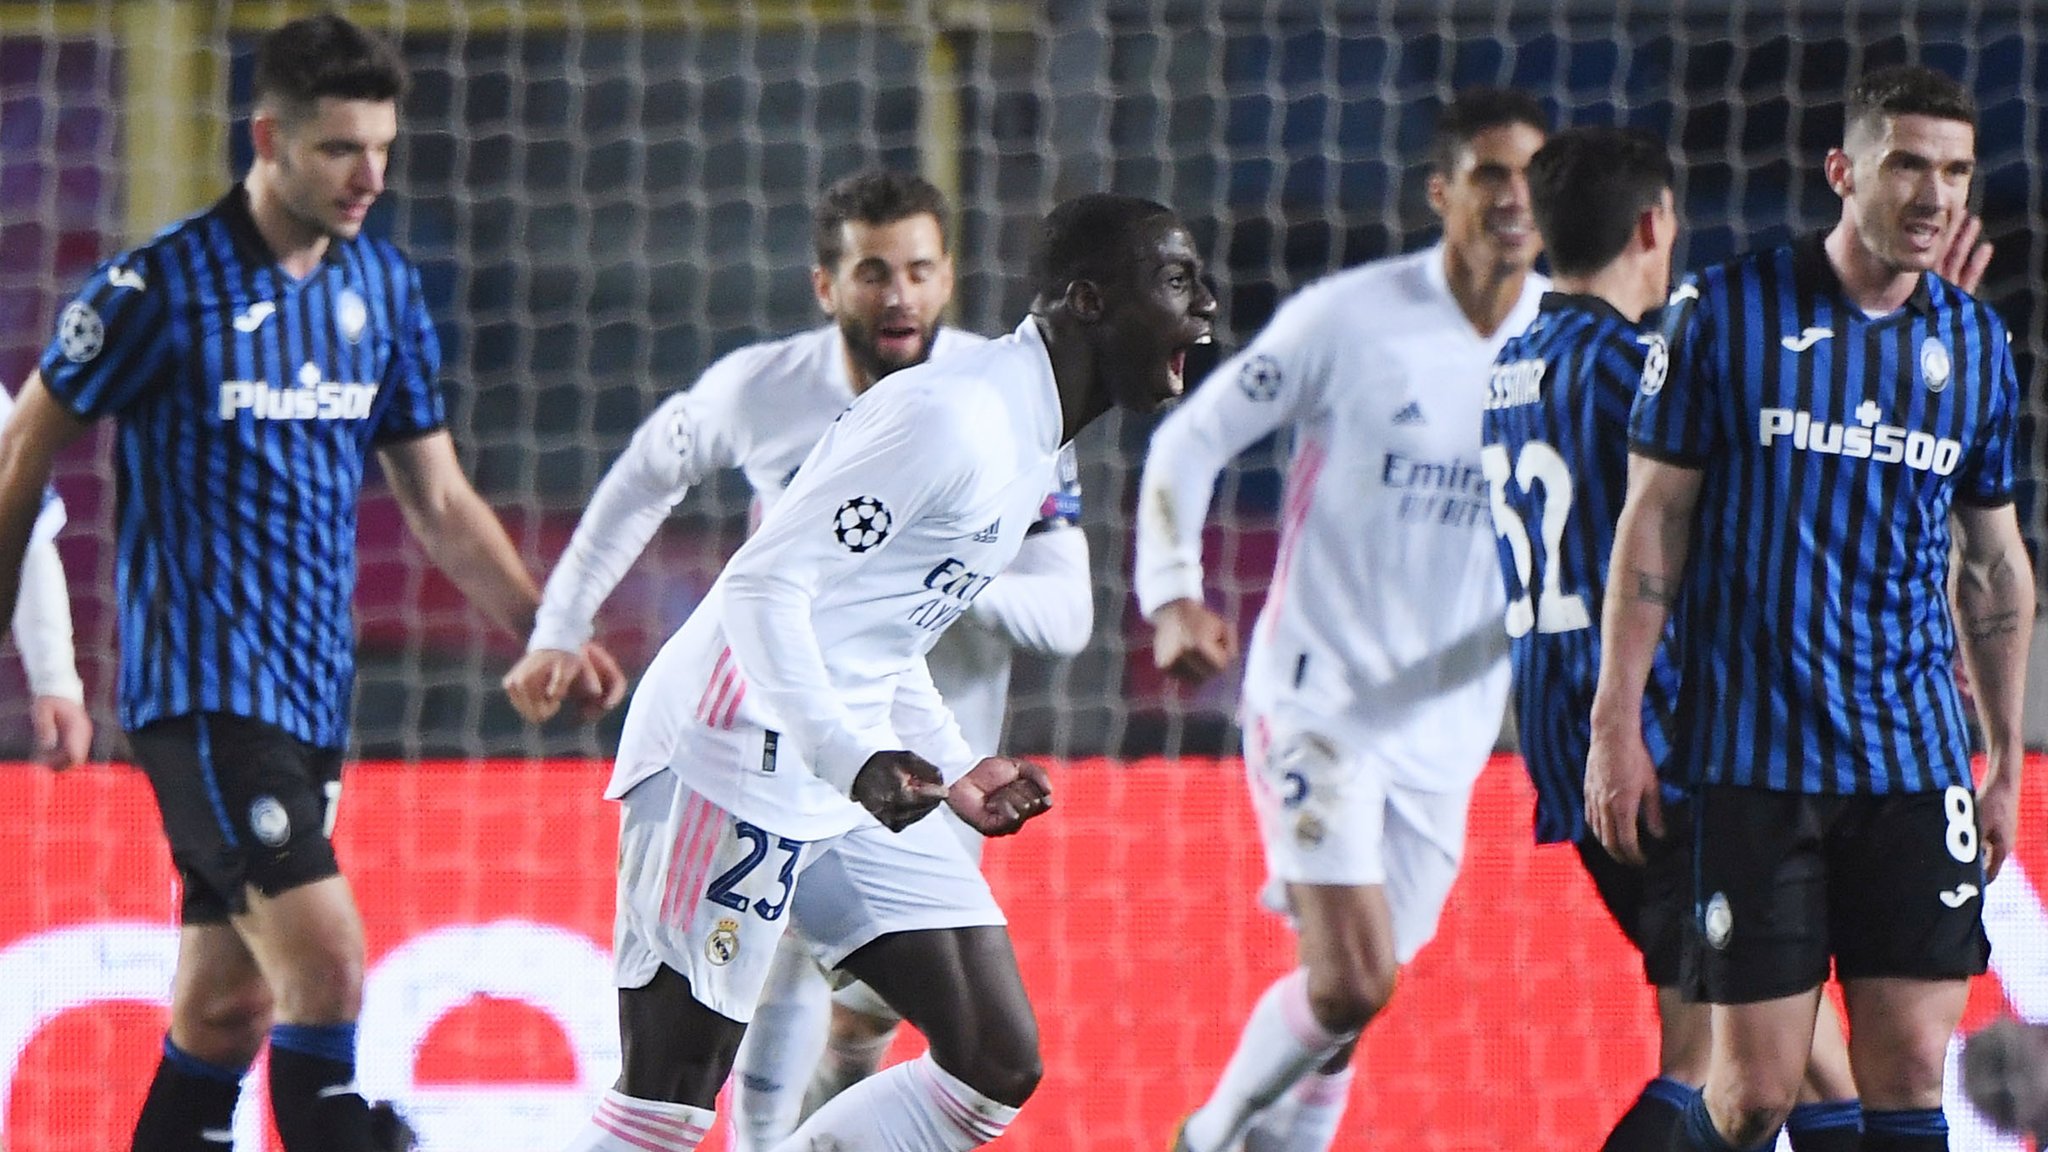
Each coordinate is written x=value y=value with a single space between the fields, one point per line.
x=297 y=248
x=1083 y=395
x=856 y=380
x=1871 y=284
x=1485 y=291
x=1621 y=284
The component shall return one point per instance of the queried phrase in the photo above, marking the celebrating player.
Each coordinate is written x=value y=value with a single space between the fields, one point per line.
x=789 y=729
x=1812 y=419
x=883 y=276
x=250 y=356
x=1556 y=461
x=1377 y=672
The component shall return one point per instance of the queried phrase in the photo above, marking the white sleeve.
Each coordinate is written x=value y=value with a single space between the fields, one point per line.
x=1268 y=385
x=927 y=727
x=42 y=625
x=1043 y=602
x=911 y=458
x=689 y=437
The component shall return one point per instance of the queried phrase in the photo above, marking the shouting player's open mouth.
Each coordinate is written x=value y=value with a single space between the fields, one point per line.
x=1177 y=363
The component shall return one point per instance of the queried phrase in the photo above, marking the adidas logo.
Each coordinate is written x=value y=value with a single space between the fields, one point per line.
x=1411 y=414
x=989 y=534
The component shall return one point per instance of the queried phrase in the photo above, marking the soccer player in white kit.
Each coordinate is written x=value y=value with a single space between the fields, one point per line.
x=1377 y=676
x=883 y=277
x=42 y=634
x=789 y=727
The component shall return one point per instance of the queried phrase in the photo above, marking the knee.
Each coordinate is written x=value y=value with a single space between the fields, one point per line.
x=224 y=1024
x=323 y=986
x=1347 y=1000
x=1002 y=1063
x=1004 y=1077
x=1748 y=1111
x=1905 y=1076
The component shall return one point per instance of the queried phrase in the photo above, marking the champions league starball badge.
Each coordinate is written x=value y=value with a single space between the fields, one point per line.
x=862 y=523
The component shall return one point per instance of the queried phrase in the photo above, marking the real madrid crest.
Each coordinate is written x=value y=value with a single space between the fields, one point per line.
x=351 y=315
x=1934 y=364
x=724 y=943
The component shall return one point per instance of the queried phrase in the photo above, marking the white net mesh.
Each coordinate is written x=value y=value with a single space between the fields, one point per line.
x=606 y=195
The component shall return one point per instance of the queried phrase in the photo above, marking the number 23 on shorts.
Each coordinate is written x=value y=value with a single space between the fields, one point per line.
x=757 y=845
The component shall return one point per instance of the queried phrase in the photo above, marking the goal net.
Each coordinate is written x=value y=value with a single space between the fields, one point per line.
x=604 y=196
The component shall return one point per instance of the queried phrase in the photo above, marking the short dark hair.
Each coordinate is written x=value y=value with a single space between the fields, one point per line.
x=1474 y=110
x=873 y=197
x=1908 y=90
x=325 y=55
x=1587 y=186
x=1093 y=237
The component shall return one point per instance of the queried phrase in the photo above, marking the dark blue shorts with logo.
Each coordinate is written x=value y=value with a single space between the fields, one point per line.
x=245 y=804
x=1783 y=883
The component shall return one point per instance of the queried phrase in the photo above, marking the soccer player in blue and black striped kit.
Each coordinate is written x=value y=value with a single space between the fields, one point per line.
x=1814 y=417
x=1556 y=459
x=251 y=356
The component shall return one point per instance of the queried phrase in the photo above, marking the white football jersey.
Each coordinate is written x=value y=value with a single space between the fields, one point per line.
x=1383 y=616
x=759 y=409
x=807 y=655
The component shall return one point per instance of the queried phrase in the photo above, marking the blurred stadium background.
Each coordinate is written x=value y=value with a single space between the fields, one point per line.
x=606 y=195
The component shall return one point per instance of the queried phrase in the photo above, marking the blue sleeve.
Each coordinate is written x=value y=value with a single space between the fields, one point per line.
x=412 y=379
x=1987 y=478
x=1673 y=414
x=112 y=341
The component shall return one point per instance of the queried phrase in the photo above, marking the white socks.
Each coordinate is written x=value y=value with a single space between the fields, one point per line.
x=781 y=1048
x=1281 y=1044
x=625 y=1124
x=1305 y=1119
x=912 y=1107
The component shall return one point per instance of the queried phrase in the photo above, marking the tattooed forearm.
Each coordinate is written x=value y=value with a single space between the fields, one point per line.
x=1654 y=588
x=1993 y=627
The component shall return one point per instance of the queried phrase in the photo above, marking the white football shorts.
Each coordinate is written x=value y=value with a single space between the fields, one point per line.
x=1330 y=813
x=710 y=895
x=871 y=882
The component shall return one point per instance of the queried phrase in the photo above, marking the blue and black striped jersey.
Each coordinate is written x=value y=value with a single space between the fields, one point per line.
x=1814 y=618
x=245 y=403
x=1556 y=458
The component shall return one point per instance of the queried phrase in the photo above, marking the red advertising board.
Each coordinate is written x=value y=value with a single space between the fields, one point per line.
x=487 y=890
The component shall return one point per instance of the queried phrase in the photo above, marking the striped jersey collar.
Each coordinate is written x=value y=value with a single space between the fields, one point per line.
x=233 y=210
x=1582 y=302
x=1810 y=262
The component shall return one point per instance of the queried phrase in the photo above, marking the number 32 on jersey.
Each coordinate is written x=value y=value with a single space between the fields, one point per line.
x=1541 y=605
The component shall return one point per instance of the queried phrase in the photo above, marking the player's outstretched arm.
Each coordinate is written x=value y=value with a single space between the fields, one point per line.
x=463 y=537
x=42 y=631
x=1994 y=606
x=683 y=440
x=1250 y=396
x=1651 y=544
x=38 y=427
